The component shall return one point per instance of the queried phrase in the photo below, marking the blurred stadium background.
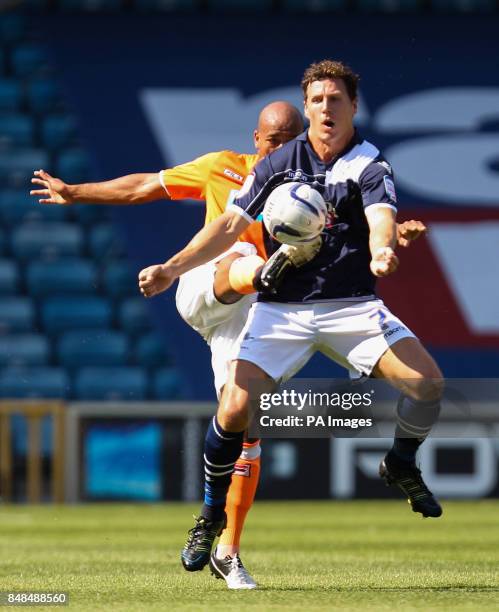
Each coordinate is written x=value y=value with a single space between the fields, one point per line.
x=104 y=396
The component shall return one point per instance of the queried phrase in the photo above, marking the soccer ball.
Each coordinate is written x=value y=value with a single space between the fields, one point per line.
x=294 y=213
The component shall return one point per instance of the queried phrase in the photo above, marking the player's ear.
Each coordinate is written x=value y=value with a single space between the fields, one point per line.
x=305 y=109
x=256 y=138
x=355 y=104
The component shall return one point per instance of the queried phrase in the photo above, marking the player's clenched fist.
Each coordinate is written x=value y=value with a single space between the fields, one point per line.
x=155 y=279
x=409 y=231
x=384 y=262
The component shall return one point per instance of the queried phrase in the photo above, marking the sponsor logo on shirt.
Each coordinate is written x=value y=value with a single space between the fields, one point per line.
x=234 y=175
x=299 y=175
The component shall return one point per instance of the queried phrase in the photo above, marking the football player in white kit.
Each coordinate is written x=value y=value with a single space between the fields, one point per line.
x=320 y=300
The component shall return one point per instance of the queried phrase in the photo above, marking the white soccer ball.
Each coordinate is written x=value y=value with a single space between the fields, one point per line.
x=294 y=213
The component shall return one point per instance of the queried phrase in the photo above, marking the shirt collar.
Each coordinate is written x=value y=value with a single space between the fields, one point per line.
x=355 y=140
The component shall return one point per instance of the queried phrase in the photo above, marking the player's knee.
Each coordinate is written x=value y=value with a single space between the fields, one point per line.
x=426 y=388
x=233 y=416
x=232 y=412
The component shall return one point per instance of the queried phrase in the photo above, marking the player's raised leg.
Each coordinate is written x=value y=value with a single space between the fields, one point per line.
x=411 y=369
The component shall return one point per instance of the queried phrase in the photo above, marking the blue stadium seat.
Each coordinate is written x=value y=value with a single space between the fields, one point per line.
x=37 y=382
x=10 y=95
x=43 y=95
x=72 y=166
x=16 y=130
x=65 y=313
x=24 y=349
x=463 y=6
x=12 y=27
x=28 y=59
x=105 y=241
x=33 y=240
x=91 y=5
x=167 y=5
x=93 y=347
x=167 y=384
x=119 y=279
x=9 y=277
x=37 y=5
x=16 y=314
x=3 y=242
x=67 y=276
x=3 y=62
x=389 y=6
x=314 y=6
x=16 y=167
x=125 y=383
x=16 y=206
x=134 y=315
x=241 y=5
x=90 y=214
x=58 y=131
x=150 y=351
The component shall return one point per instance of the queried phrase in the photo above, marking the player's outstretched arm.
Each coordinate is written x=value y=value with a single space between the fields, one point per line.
x=409 y=231
x=130 y=189
x=211 y=241
x=382 y=240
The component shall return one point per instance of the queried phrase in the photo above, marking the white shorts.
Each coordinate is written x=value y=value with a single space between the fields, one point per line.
x=281 y=338
x=219 y=324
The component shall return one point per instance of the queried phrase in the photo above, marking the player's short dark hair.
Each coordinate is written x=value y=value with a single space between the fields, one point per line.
x=329 y=69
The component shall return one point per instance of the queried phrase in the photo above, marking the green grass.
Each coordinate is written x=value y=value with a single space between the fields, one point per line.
x=306 y=556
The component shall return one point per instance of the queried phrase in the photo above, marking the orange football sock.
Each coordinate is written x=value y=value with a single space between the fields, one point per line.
x=242 y=273
x=240 y=498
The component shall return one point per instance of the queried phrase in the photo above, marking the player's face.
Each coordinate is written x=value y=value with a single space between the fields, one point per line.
x=330 y=111
x=269 y=138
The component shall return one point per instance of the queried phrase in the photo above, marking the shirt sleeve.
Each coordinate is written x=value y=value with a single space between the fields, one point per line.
x=250 y=199
x=188 y=180
x=377 y=185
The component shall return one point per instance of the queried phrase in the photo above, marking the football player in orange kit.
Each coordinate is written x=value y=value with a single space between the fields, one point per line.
x=212 y=298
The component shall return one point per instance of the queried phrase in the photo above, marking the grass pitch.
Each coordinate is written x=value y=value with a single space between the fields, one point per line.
x=312 y=555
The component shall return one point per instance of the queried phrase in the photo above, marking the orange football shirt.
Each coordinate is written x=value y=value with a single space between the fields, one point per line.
x=214 y=178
